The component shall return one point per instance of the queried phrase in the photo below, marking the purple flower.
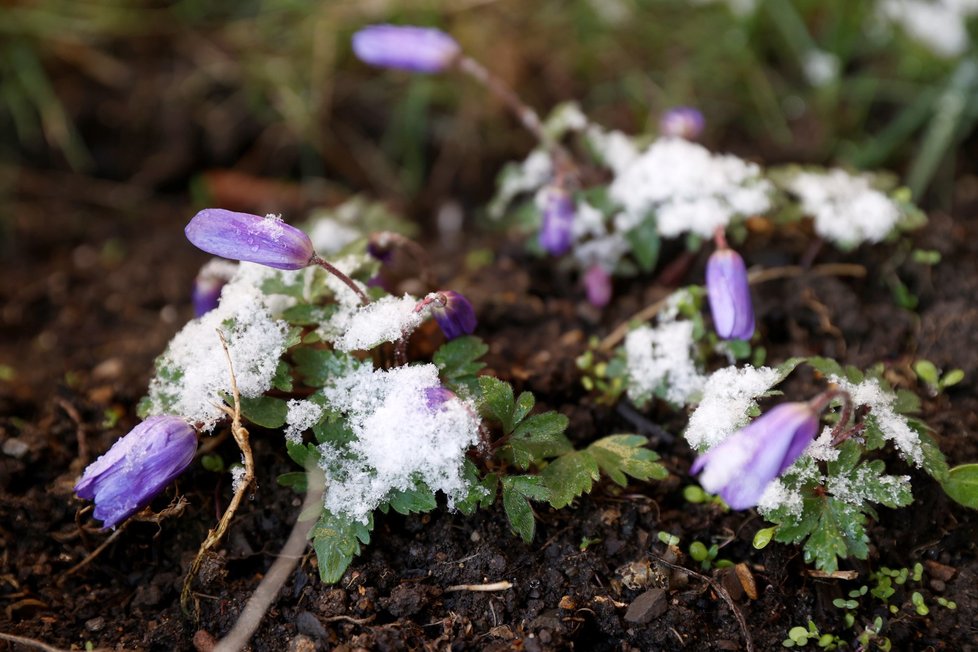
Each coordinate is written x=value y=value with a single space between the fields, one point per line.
x=682 y=122
x=556 y=235
x=435 y=397
x=597 y=284
x=729 y=295
x=741 y=466
x=210 y=280
x=452 y=311
x=137 y=467
x=418 y=49
x=241 y=236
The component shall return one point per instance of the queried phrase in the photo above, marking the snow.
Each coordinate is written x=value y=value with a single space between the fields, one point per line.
x=614 y=148
x=688 y=188
x=385 y=320
x=894 y=427
x=821 y=447
x=301 y=415
x=845 y=207
x=530 y=175
x=237 y=476
x=938 y=25
x=330 y=235
x=728 y=396
x=193 y=373
x=661 y=356
x=398 y=439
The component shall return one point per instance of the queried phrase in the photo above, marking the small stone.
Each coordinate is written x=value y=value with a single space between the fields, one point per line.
x=307 y=623
x=204 y=641
x=15 y=448
x=940 y=571
x=95 y=624
x=646 y=607
x=302 y=643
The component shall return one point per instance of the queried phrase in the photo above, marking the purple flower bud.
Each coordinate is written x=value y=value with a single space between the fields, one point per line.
x=436 y=397
x=417 y=49
x=241 y=236
x=682 y=122
x=137 y=467
x=452 y=311
x=556 y=235
x=597 y=284
x=740 y=467
x=729 y=294
x=210 y=280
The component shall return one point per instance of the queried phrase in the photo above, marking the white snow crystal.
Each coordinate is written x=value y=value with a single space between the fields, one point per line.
x=728 y=396
x=821 y=447
x=617 y=150
x=846 y=208
x=329 y=235
x=237 y=476
x=688 y=188
x=893 y=426
x=661 y=356
x=301 y=415
x=399 y=439
x=193 y=372
x=385 y=320
x=530 y=175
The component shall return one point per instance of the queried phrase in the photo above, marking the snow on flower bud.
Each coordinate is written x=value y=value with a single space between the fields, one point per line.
x=210 y=280
x=729 y=294
x=417 y=49
x=682 y=122
x=452 y=311
x=241 y=236
x=597 y=285
x=556 y=235
x=137 y=467
x=741 y=466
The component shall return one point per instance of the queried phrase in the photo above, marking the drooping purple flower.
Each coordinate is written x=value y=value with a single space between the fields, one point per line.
x=556 y=234
x=417 y=49
x=597 y=285
x=435 y=397
x=729 y=294
x=741 y=466
x=452 y=311
x=242 y=236
x=137 y=467
x=210 y=280
x=682 y=122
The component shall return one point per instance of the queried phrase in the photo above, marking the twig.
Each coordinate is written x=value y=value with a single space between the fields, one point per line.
x=722 y=592
x=282 y=567
x=349 y=619
x=80 y=433
x=495 y=586
x=93 y=554
x=39 y=645
x=241 y=437
x=754 y=277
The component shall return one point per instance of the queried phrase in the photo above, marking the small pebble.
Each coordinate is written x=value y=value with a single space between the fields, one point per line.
x=307 y=623
x=95 y=624
x=15 y=448
x=646 y=607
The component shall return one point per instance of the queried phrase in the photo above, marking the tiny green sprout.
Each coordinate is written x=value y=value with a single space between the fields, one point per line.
x=901 y=576
x=587 y=542
x=928 y=373
x=849 y=619
x=918 y=602
x=668 y=539
x=947 y=604
x=842 y=603
x=797 y=636
x=861 y=591
x=918 y=571
x=763 y=537
x=926 y=256
x=212 y=462
x=694 y=494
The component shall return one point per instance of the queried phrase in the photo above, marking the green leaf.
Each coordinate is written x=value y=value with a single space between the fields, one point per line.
x=826 y=366
x=518 y=490
x=839 y=533
x=482 y=493
x=316 y=366
x=645 y=244
x=935 y=464
x=927 y=372
x=282 y=380
x=569 y=476
x=333 y=430
x=294 y=479
x=785 y=368
x=418 y=499
x=952 y=378
x=336 y=538
x=264 y=411
x=304 y=455
x=305 y=314
x=849 y=454
x=524 y=403
x=962 y=485
x=621 y=455
x=458 y=362
x=906 y=402
x=497 y=401
x=539 y=437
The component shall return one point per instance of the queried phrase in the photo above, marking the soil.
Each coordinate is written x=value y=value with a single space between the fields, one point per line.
x=95 y=281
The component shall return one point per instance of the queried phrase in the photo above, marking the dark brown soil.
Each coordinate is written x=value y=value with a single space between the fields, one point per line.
x=90 y=295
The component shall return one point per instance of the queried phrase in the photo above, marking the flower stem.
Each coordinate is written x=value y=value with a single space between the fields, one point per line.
x=841 y=431
x=349 y=282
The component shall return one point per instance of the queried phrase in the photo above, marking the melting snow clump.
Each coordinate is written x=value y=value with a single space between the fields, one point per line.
x=301 y=416
x=659 y=358
x=193 y=373
x=385 y=320
x=881 y=411
x=398 y=441
x=728 y=396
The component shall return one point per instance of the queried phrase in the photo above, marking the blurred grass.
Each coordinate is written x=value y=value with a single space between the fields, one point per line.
x=154 y=92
